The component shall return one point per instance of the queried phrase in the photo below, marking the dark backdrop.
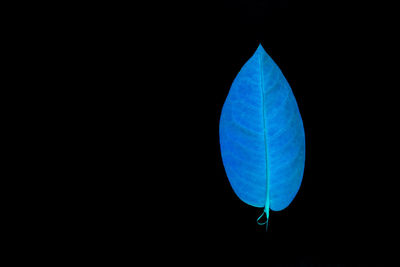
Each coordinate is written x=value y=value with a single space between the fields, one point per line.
x=158 y=85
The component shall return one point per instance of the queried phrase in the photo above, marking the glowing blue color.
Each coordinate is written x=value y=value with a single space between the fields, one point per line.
x=262 y=136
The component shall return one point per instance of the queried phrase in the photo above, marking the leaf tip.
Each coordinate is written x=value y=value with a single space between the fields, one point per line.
x=261 y=50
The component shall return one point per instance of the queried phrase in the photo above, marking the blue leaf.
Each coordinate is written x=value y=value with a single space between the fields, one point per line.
x=262 y=136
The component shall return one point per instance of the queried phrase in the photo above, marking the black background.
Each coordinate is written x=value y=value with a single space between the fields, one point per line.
x=146 y=95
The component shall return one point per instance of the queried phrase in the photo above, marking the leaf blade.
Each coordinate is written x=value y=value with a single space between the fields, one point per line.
x=262 y=135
